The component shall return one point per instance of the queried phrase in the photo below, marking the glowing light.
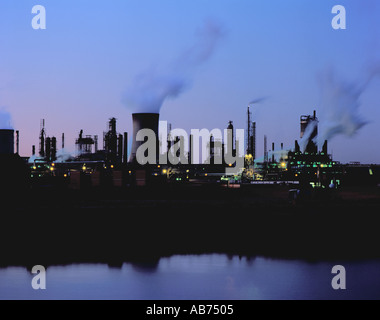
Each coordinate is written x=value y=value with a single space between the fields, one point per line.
x=164 y=171
x=51 y=169
x=65 y=175
x=130 y=172
x=283 y=165
x=111 y=166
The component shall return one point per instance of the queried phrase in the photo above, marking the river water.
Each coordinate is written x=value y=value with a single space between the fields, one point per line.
x=210 y=277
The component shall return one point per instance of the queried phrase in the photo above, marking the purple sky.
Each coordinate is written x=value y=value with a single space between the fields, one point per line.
x=76 y=72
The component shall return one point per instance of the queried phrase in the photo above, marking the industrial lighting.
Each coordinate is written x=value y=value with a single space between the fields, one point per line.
x=206 y=174
x=230 y=165
x=111 y=166
x=158 y=166
x=164 y=171
x=187 y=171
x=283 y=164
x=130 y=172
x=84 y=168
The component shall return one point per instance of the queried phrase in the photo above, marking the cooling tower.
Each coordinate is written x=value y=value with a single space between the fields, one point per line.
x=143 y=121
x=7 y=144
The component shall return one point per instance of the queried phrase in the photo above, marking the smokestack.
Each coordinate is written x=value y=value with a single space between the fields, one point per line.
x=253 y=140
x=7 y=142
x=42 y=139
x=265 y=149
x=48 y=149
x=143 y=121
x=273 y=152
x=63 y=141
x=282 y=146
x=33 y=150
x=120 y=148
x=125 y=154
x=96 y=143
x=53 y=149
x=297 y=148
x=325 y=148
x=18 y=142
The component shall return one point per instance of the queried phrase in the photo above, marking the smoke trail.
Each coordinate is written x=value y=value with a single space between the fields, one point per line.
x=341 y=103
x=258 y=100
x=308 y=132
x=5 y=120
x=150 y=89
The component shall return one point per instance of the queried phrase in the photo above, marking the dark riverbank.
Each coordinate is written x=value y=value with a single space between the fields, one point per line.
x=63 y=227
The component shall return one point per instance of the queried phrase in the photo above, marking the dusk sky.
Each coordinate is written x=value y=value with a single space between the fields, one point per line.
x=75 y=73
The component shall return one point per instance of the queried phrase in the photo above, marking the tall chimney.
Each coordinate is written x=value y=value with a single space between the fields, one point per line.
x=143 y=121
x=63 y=141
x=273 y=152
x=253 y=140
x=125 y=153
x=120 y=148
x=53 y=152
x=265 y=149
x=325 y=148
x=48 y=149
x=33 y=150
x=96 y=143
x=18 y=142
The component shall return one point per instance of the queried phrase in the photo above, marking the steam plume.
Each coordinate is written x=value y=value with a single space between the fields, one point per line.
x=307 y=135
x=341 y=103
x=150 y=89
x=5 y=120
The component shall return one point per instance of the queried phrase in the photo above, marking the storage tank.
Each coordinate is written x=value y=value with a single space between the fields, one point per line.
x=143 y=121
x=7 y=144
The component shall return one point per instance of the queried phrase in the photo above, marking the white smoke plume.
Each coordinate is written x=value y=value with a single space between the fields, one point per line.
x=150 y=89
x=63 y=155
x=5 y=120
x=308 y=132
x=341 y=103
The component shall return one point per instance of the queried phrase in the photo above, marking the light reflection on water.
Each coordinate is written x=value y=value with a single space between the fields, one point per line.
x=196 y=277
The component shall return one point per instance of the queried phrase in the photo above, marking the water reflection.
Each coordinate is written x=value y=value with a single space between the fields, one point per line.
x=195 y=277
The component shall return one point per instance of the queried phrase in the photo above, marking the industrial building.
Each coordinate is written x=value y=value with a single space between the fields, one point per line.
x=114 y=166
